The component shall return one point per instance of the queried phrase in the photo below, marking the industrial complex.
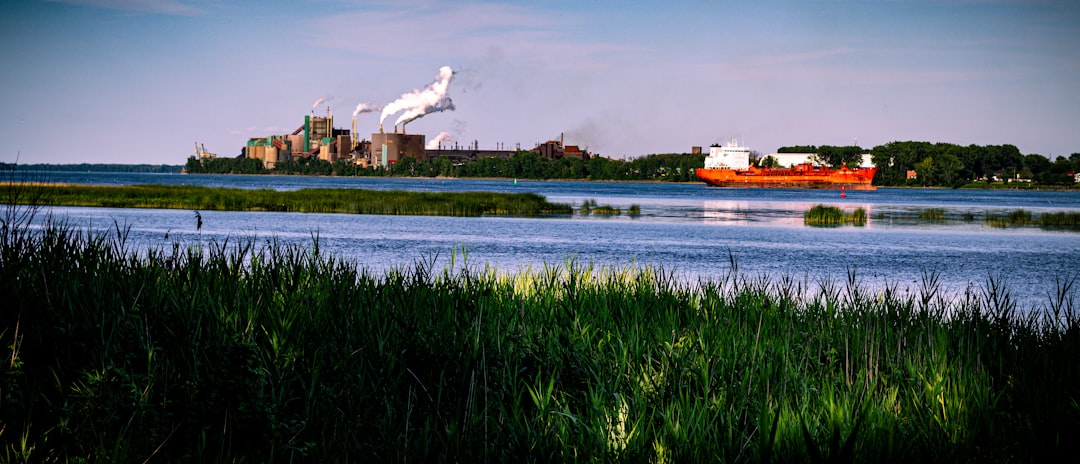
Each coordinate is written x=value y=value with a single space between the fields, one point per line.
x=318 y=138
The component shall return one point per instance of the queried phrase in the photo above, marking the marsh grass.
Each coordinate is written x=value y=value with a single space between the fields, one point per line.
x=590 y=207
x=1022 y=218
x=242 y=352
x=824 y=215
x=932 y=214
x=1060 y=219
x=349 y=201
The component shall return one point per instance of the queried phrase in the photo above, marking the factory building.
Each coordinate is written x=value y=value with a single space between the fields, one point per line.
x=317 y=137
x=388 y=147
x=554 y=149
x=458 y=154
x=202 y=154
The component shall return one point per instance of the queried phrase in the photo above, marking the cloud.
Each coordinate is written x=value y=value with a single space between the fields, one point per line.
x=463 y=31
x=166 y=7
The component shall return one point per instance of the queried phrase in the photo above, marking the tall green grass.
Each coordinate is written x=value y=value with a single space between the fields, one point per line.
x=1060 y=219
x=319 y=200
x=590 y=207
x=932 y=214
x=235 y=352
x=1022 y=217
x=824 y=215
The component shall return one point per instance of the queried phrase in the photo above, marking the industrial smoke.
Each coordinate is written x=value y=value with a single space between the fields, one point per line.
x=417 y=103
x=434 y=143
x=365 y=107
x=320 y=101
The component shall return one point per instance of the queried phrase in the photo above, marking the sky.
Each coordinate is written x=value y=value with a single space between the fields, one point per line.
x=141 y=81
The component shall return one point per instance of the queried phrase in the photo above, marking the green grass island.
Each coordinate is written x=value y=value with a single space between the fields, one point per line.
x=314 y=200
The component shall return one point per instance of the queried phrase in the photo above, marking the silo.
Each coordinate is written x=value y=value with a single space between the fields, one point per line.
x=271 y=157
x=256 y=152
x=296 y=143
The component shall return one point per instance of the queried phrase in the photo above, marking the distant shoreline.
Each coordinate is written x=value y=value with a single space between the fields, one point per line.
x=106 y=168
x=95 y=167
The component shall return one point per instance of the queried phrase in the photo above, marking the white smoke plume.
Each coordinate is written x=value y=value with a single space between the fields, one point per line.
x=434 y=143
x=417 y=113
x=417 y=103
x=320 y=101
x=365 y=107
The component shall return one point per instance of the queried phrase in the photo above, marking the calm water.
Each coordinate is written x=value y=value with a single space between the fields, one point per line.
x=690 y=229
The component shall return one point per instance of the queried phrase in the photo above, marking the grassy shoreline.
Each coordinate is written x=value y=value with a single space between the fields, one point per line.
x=232 y=352
x=315 y=200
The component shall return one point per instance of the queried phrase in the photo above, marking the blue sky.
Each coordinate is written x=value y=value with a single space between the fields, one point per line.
x=138 y=81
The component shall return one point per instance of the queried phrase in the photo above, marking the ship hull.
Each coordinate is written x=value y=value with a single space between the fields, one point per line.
x=805 y=176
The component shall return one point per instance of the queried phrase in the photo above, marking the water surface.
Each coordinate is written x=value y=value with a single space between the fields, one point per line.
x=690 y=229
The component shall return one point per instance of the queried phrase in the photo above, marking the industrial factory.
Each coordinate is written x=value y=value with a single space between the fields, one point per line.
x=318 y=138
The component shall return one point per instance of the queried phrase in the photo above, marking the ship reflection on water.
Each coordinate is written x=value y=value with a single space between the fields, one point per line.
x=772 y=213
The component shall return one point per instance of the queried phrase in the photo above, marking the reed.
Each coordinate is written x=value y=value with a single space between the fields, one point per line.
x=348 y=201
x=858 y=217
x=590 y=207
x=237 y=351
x=823 y=215
x=1060 y=219
x=932 y=214
x=1021 y=218
x=606 y=210
x=587 y=207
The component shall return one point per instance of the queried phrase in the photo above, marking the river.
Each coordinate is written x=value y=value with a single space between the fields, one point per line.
x=691 y=230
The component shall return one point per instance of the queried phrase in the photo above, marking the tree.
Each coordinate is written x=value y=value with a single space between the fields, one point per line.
x=948 y=168
x=1036 y=165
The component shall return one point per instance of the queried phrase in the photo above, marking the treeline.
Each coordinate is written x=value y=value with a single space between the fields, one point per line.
x=87 y=167
x=949 y=165
x=946 y=164
x=933 y=164
x=238 y=165
x=671 y=167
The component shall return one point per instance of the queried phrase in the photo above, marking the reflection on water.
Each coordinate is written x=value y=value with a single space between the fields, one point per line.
x=789 y=214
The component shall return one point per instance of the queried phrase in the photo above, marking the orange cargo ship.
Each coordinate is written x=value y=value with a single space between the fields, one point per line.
x=729 y=166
